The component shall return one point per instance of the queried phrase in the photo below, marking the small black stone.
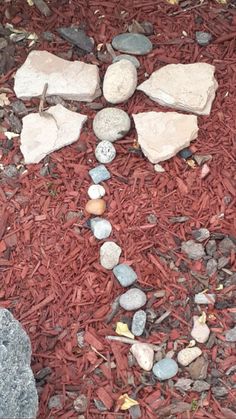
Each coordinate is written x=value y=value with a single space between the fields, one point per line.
x=77 y=37
x=185 y=154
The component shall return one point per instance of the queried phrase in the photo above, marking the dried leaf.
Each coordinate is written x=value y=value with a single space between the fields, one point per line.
x=202 y=318
x=123 y=330
x=191 y=344
x=10 y=135
x=220 y=287
x=127 y=402
x=30 y=2
x=173 y=1
x=4 y=101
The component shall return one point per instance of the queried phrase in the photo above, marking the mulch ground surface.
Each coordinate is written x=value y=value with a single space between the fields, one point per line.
x=51 y=279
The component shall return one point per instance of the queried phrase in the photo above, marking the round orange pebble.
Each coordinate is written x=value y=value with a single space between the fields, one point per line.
x=96 y=206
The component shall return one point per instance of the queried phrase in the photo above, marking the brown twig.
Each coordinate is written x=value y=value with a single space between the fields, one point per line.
x=42 y=99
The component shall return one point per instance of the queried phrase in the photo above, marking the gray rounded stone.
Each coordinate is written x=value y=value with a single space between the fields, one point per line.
x=133 y=299
x=165 y=368
x=203 y=38
x=124 y=274
x=111 y=124
x=132 y=43
x=101 y=228
x=138 y=323
x=105 y=152
x=130 y=58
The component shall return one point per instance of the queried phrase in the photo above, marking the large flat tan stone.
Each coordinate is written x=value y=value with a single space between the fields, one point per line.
x=162 y=135
x=188 y=87
x=41 y=135
x=72 y=80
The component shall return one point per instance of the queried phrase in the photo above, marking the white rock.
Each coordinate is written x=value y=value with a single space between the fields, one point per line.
x=101 y=228
x=188 y=87
x=105 y=152
x=41 y=135
x=109 y=255
x=202 y=298
x=143 y=354
x=188 y=355
x=200 y=331
x=72 y=80
x=111 y=124
x=96 y=191
x=158 y=168
x=162 y=135
x=120 y=81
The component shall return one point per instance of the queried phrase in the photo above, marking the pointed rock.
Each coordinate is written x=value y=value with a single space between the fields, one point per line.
x=188 y=87
x=54 y=129
x=162 y=135
x=72 y=80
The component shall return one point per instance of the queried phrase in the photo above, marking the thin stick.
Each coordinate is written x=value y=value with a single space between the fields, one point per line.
x=42 y=100
x=132 y=341
x=188 y=9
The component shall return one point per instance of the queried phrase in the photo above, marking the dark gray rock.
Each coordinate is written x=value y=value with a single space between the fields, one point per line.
x=130 y=58
x=223 y=261
x=201 y=234
x=77 y=37
x=226 y=246
x=15 y=123
x=211 y=267
x=132 y=43
x=203 y=38
x=18 y=394
x=211 y=247
x=19 y=108
x=186 y=153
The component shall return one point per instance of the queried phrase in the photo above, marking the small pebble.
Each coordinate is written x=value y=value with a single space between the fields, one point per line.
x=10 y=171
x=203 y=38
x=198 y=368
x=193 y=250
x=184 y=384
x=81 y=403
x=135 y=412
x=158 y=168
x=55 y=402
x=138 y=323
x=211 y=247
x=203 y=298
x=3 y=43
x=219 y=391
x=95 y=206
x=230 y=335
x=130 y=58
x=125 y=275
x=111 y=124
x=200 y=331
x=48 y=36
x=223 y=261
x=101 y=228
x=165 y=368
x=199 y=386
x=96 y=191
x=105 y=152
x=99 y=174
x=226 y=246
x=144 y=355
x=99 y=405
x=188 y=355
x=211 y=267
x=77 y=37
x=185 y=154
x=133 y=299
x=132 y=43
x=109 y=255
x=201 y=234
x=19 y=108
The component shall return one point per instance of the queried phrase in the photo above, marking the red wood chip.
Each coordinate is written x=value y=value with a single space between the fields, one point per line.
x=105 y=397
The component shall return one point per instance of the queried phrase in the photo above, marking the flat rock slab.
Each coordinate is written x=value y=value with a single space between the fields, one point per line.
x=56 y=128
x=162 y=135
x=72 y=80
x=188 y=87
x=18 y=394
x=132 y=43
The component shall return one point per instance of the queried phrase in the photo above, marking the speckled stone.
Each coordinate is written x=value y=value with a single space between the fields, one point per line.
x=124 y=274
x=188 y=355
x=105 y=152
x=111 y=124
x=132 y=43
x=138 y=323
x=96 y=191
x=165 y=368
x=130 y=58
x=99 y=174
x=101 y=228
x=109 y=254
x=200 y=331
x=133 y=299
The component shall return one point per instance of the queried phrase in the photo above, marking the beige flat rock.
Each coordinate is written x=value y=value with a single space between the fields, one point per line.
x=41 y=135
x=188 y=87
x=162 y=135
x=72 y=80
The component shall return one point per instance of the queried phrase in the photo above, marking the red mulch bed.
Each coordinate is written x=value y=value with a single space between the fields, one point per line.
x=51 y=278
